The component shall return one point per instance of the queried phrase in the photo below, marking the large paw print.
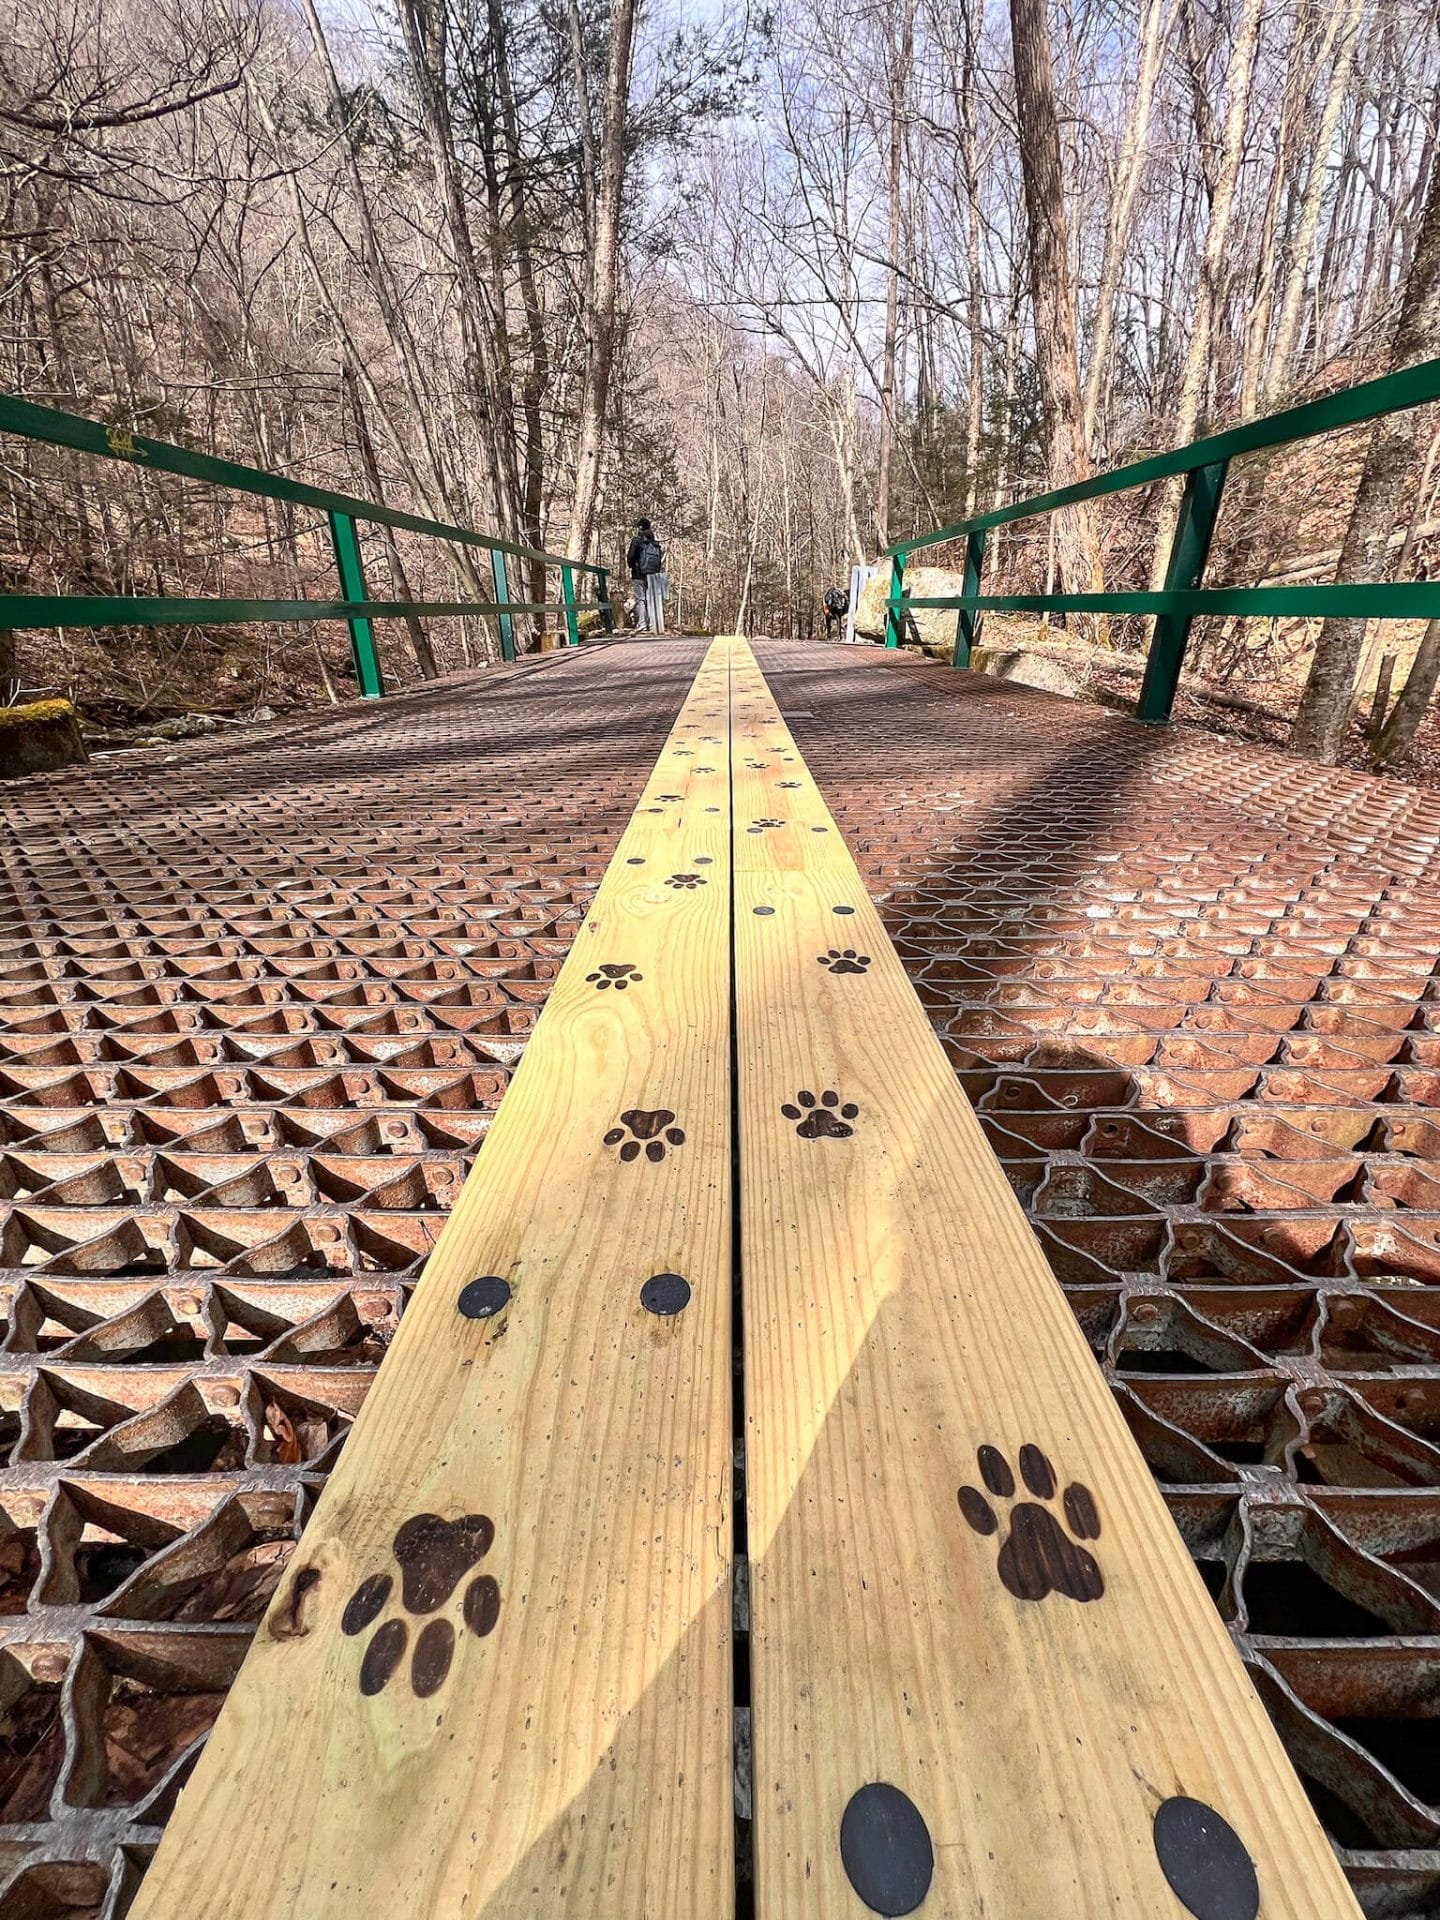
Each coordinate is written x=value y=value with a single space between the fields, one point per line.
x=1039 y=1558
x=683 y=881
x=822 y=1119
x=844 y=960
x=759 y=826
x=433 y=1556
x=641 y=1128
x=621 y=975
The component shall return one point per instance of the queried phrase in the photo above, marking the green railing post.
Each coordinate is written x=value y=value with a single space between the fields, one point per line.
x=352 y=585
x=607 y=612
x=1189 y=551
x=572 y=624
x=895 y=602
x=965 y=619
x=502 y=598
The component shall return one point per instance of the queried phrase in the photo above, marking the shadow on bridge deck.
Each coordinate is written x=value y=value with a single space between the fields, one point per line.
x=261 y=998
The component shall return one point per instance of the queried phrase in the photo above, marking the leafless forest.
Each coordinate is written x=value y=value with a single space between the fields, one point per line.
x=795 y=282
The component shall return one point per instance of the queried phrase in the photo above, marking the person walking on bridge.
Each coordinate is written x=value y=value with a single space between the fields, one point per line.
x=646 y=560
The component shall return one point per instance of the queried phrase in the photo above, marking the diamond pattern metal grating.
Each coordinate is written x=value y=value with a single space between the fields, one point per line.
x=1192 y=989
x=257 y=1003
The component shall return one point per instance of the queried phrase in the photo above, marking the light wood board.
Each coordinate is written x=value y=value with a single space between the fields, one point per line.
x=576 y=1758
x=899 y=1315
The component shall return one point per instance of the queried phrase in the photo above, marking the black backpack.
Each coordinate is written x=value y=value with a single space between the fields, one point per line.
x=650 y=558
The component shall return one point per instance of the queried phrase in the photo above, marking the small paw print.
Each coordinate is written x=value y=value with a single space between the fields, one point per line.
x=1039 y=1557
x=620 y=976
x=640 y=1127
x=844 y=960
x=759 y=826
x=792 y=783
x=433 y=1556
x=822 y=1119
x=684 y=882
x=669 y=796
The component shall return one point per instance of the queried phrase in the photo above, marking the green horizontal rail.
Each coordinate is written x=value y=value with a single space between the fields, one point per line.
x=41 y=610
x=1365 y=600
x=1204 y=464
x=54 y=428
x=1391 y=393
x=58 y=429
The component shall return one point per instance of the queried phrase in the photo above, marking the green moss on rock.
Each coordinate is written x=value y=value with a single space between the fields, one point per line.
x=38 y=738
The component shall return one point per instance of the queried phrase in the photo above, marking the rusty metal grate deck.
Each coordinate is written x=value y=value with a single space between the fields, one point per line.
x=257 y=1003
x=1192 y=989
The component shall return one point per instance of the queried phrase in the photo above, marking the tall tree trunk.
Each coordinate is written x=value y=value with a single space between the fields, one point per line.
x=1077 y=550
x=399 y=579
x=1324 y=709
x=1398 y=733
x=1154 y=37
x=899 y=83
x=1212 y=263
x=605 y=296
x=1340 y=46
x=425 y=28
x=975 y=287
x=536 y=372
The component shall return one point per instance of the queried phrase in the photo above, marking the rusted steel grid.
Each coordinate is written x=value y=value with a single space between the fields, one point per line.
x=1192 y=989
x=257 y=1004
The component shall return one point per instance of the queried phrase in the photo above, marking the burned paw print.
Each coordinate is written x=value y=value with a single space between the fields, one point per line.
x=433 y=1556
x=759 y=826
x=620 y=976
x=1039 y=1557
x=822 y=1119
x=640 y=1128
x=669 y=796
x=792 y=783
x=684 y=882
x=844 y=960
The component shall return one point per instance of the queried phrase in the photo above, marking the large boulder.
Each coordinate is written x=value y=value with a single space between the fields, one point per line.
x=38 y=738
x=932 y=628
x=1032 y=667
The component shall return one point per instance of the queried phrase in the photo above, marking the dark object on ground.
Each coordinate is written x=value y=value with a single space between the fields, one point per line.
x=38 y=738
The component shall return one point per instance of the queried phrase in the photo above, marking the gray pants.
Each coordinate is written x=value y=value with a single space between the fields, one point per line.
x=649 y=605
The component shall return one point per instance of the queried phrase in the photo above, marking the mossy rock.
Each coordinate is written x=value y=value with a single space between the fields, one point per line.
x=38 y=738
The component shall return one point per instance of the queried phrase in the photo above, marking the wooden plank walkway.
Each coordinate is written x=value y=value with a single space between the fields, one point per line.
x=497 y=1677
x=965 y=1587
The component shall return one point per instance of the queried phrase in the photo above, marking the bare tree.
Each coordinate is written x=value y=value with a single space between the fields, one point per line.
x=1325 y=704
x=1051 y=289
x=600 y=313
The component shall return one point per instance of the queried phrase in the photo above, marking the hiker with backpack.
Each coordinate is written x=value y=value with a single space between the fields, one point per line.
x=646 y=560
x=836 y=605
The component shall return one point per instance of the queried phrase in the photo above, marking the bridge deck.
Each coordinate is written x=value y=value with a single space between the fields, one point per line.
x=262 y=1013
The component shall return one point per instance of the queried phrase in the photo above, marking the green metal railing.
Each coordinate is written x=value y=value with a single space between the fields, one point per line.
x=58 y=429
x=1204 y=463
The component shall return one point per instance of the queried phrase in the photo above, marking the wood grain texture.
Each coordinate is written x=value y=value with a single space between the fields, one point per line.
x=1038 y=1669
x=561 y=1745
